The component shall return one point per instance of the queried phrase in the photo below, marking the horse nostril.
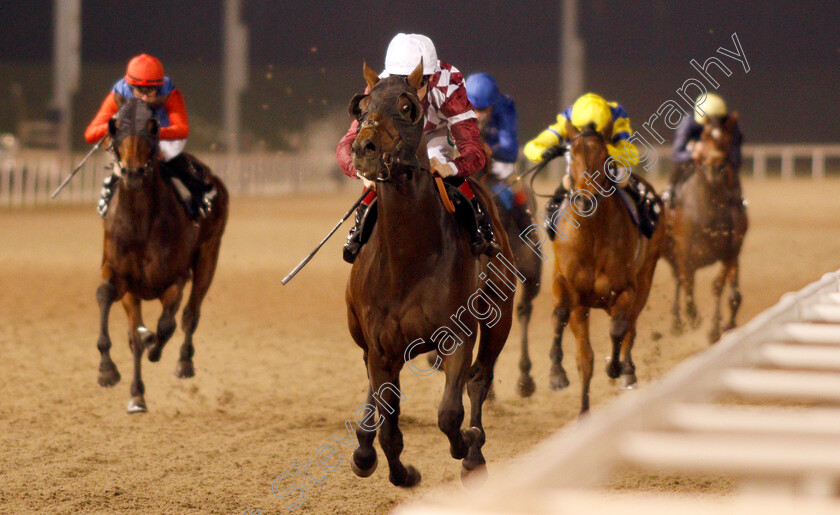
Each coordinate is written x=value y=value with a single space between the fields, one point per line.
x=370 y=147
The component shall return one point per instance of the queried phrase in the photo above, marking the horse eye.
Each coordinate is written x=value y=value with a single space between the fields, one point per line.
x=405 y=108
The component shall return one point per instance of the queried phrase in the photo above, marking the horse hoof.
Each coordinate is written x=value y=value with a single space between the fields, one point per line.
x=628 y=382
x=412 y=477
x=526 y=386
x=695 y=322
x=475 y=477
x=108 y=378
x=136 y=406
x=714 y=336
x=613 y=369
x=364 y=472
x=184 y=369
x=558 y=381
x=677 y=330
x=491 y=394
x=154 y=353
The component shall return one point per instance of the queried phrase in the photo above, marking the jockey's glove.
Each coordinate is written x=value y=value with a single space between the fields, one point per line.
x=552 y=152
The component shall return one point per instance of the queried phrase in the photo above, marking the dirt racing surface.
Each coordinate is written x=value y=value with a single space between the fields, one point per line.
x=277 y=373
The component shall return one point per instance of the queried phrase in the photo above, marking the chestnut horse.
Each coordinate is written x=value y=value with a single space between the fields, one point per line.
x=601 y=260
x=415 y=280
x=152 y=248
x=707 y=224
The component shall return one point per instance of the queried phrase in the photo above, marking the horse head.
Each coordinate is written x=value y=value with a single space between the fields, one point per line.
x=135 y=134
x=715 y=143
x=390 y=125
x=589 y=156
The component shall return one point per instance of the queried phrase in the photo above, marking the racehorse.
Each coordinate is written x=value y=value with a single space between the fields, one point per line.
x=601 y=260
x=707 y=224
x=152 y=249
x=415 y=280
x=516 y=219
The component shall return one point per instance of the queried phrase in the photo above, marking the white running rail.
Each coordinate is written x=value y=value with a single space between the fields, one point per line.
x=761 y=407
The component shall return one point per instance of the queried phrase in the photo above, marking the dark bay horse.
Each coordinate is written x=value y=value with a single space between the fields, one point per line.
x=601 y=260
x=707 y=224
x=528 y=262
x=152 y=249
x=417 y=279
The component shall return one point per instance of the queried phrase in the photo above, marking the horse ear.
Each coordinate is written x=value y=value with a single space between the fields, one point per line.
x=113 y=125
x=355 y=108
x=607 y=131
x=415 y=80
x=119 y=99
x=571 y=130
x=370 y=76
x=731 y=122
x=153 y=126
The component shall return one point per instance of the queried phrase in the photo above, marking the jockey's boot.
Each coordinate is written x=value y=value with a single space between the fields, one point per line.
x=108 y=187
x=357 y=238
x=202 y=193
x=551 y=208
x=484 y=237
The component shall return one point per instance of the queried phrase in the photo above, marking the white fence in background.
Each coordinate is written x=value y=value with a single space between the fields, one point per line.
x=762 y=406
x=28 y=178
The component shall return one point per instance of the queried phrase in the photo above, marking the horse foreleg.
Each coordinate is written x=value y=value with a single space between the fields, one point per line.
x=526 y=385
x=171 y=301
x=717 y=292
x=734 y=294
x=106 y=295
x=137 y=335
x=203 y=270
x=677 y=325
x=451 y=409
x=364 y=459
x=481 y=378
x=557 y=377
x=687 y=279
x=628 y=368
x=385 y=381
x=619 y=325
x=579 y=323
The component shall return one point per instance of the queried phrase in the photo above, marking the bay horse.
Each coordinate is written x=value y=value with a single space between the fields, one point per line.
x=414 y=280
x=528 y=262
x=601 y=260
x=152 y=249
x=707 y=224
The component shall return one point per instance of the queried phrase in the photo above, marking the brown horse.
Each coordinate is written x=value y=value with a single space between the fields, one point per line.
x=528 y=262
x=707 y=224
x=601 y=260
x=416 y=280
x=151 y=249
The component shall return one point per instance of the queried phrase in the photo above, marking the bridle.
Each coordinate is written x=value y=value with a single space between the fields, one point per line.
x=391 y=158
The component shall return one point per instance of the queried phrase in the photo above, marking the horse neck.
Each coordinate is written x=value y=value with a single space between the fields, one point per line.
x=411 y=220
x=140 y=205
x=605 y=204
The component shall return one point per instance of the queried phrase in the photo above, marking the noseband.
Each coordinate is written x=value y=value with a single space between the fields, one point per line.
x=391 y=158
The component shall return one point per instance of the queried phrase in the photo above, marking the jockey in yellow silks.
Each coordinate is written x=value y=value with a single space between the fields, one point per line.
x=588 y=110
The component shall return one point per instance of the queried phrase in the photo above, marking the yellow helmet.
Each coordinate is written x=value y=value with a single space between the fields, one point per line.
x=591 y=108
x=711 y=105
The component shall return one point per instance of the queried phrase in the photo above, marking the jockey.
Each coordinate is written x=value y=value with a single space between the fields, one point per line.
x=447 y=113
x=588 y=109
x=144 y=79
x=690 y=130
x=498 y=123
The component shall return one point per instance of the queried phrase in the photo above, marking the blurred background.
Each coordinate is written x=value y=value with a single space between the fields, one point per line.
x=303 y=59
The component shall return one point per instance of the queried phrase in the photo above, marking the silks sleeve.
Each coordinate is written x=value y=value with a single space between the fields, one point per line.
x=553 y=135
x=99 y=126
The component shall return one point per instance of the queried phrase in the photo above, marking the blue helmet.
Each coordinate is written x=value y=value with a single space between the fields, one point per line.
x=482 y=90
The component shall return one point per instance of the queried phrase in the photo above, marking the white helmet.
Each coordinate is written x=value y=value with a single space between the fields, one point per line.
x=711 y=105
x=406 y=50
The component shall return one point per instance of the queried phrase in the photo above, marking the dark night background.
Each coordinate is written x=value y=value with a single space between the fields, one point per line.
x=306 y=57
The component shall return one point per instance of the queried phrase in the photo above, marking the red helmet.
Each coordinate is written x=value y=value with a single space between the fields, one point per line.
x=144 y=70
